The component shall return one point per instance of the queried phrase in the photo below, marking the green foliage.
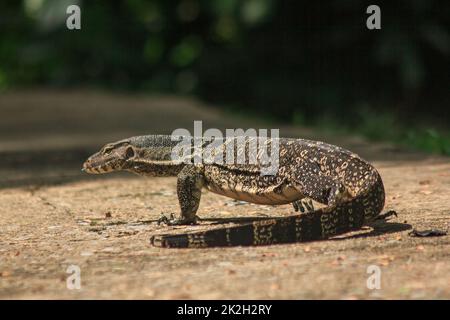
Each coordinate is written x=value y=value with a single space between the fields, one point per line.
x=430 y=140
x=186 y=52
x=376 y=125
x=385 y=127
x=306 y=62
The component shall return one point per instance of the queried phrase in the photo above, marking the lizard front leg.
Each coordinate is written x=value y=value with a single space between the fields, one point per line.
x=190 y=181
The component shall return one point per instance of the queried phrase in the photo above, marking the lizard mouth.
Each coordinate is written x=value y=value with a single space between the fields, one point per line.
x=94 y=167
x=108 y=160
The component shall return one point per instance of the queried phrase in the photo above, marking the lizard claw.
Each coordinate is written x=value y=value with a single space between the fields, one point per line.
x=164 y=219
x=172 y=221
x=382 y=218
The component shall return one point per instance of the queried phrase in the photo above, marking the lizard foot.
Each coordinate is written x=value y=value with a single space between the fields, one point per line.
x=304 y=205
x=386 y=215
x=172 y=221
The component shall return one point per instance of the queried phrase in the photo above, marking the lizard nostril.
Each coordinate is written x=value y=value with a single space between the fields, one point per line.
x=86 y=166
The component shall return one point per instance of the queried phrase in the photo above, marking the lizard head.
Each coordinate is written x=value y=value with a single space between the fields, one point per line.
x=112 y=157
x=148 y=155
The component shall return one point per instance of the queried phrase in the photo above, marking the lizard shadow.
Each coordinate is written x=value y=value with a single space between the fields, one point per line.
x=378 y=228
x=214 y=221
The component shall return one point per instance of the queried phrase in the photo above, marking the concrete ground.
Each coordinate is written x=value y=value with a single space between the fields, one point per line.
x=53 y=216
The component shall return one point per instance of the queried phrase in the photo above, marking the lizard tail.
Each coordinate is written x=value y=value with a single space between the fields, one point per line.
x=317 y=225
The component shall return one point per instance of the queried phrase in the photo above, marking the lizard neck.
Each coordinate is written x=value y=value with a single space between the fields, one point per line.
x=155 y=156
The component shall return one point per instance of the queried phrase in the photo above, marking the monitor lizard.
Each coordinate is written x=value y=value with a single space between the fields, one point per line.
x=350 y=187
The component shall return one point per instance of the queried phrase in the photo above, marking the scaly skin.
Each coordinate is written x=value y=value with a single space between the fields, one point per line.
x=351 y=188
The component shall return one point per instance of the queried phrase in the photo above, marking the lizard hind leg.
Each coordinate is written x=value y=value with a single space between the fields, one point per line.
x=320 y=188
x=338 y=193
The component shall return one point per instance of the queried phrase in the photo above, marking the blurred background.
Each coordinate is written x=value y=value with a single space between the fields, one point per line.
x=302 y=63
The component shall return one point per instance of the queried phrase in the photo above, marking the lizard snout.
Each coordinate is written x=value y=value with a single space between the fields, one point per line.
x=88 y=167
x=103 y=163
x=95 y=165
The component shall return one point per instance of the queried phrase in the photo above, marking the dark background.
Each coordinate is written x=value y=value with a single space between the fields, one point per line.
x=309 y=63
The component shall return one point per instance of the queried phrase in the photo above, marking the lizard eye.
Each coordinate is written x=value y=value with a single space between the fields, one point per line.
x=107 y=149
x=129 y=153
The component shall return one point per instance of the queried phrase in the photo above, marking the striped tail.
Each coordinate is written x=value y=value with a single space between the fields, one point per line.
x=317 y=225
